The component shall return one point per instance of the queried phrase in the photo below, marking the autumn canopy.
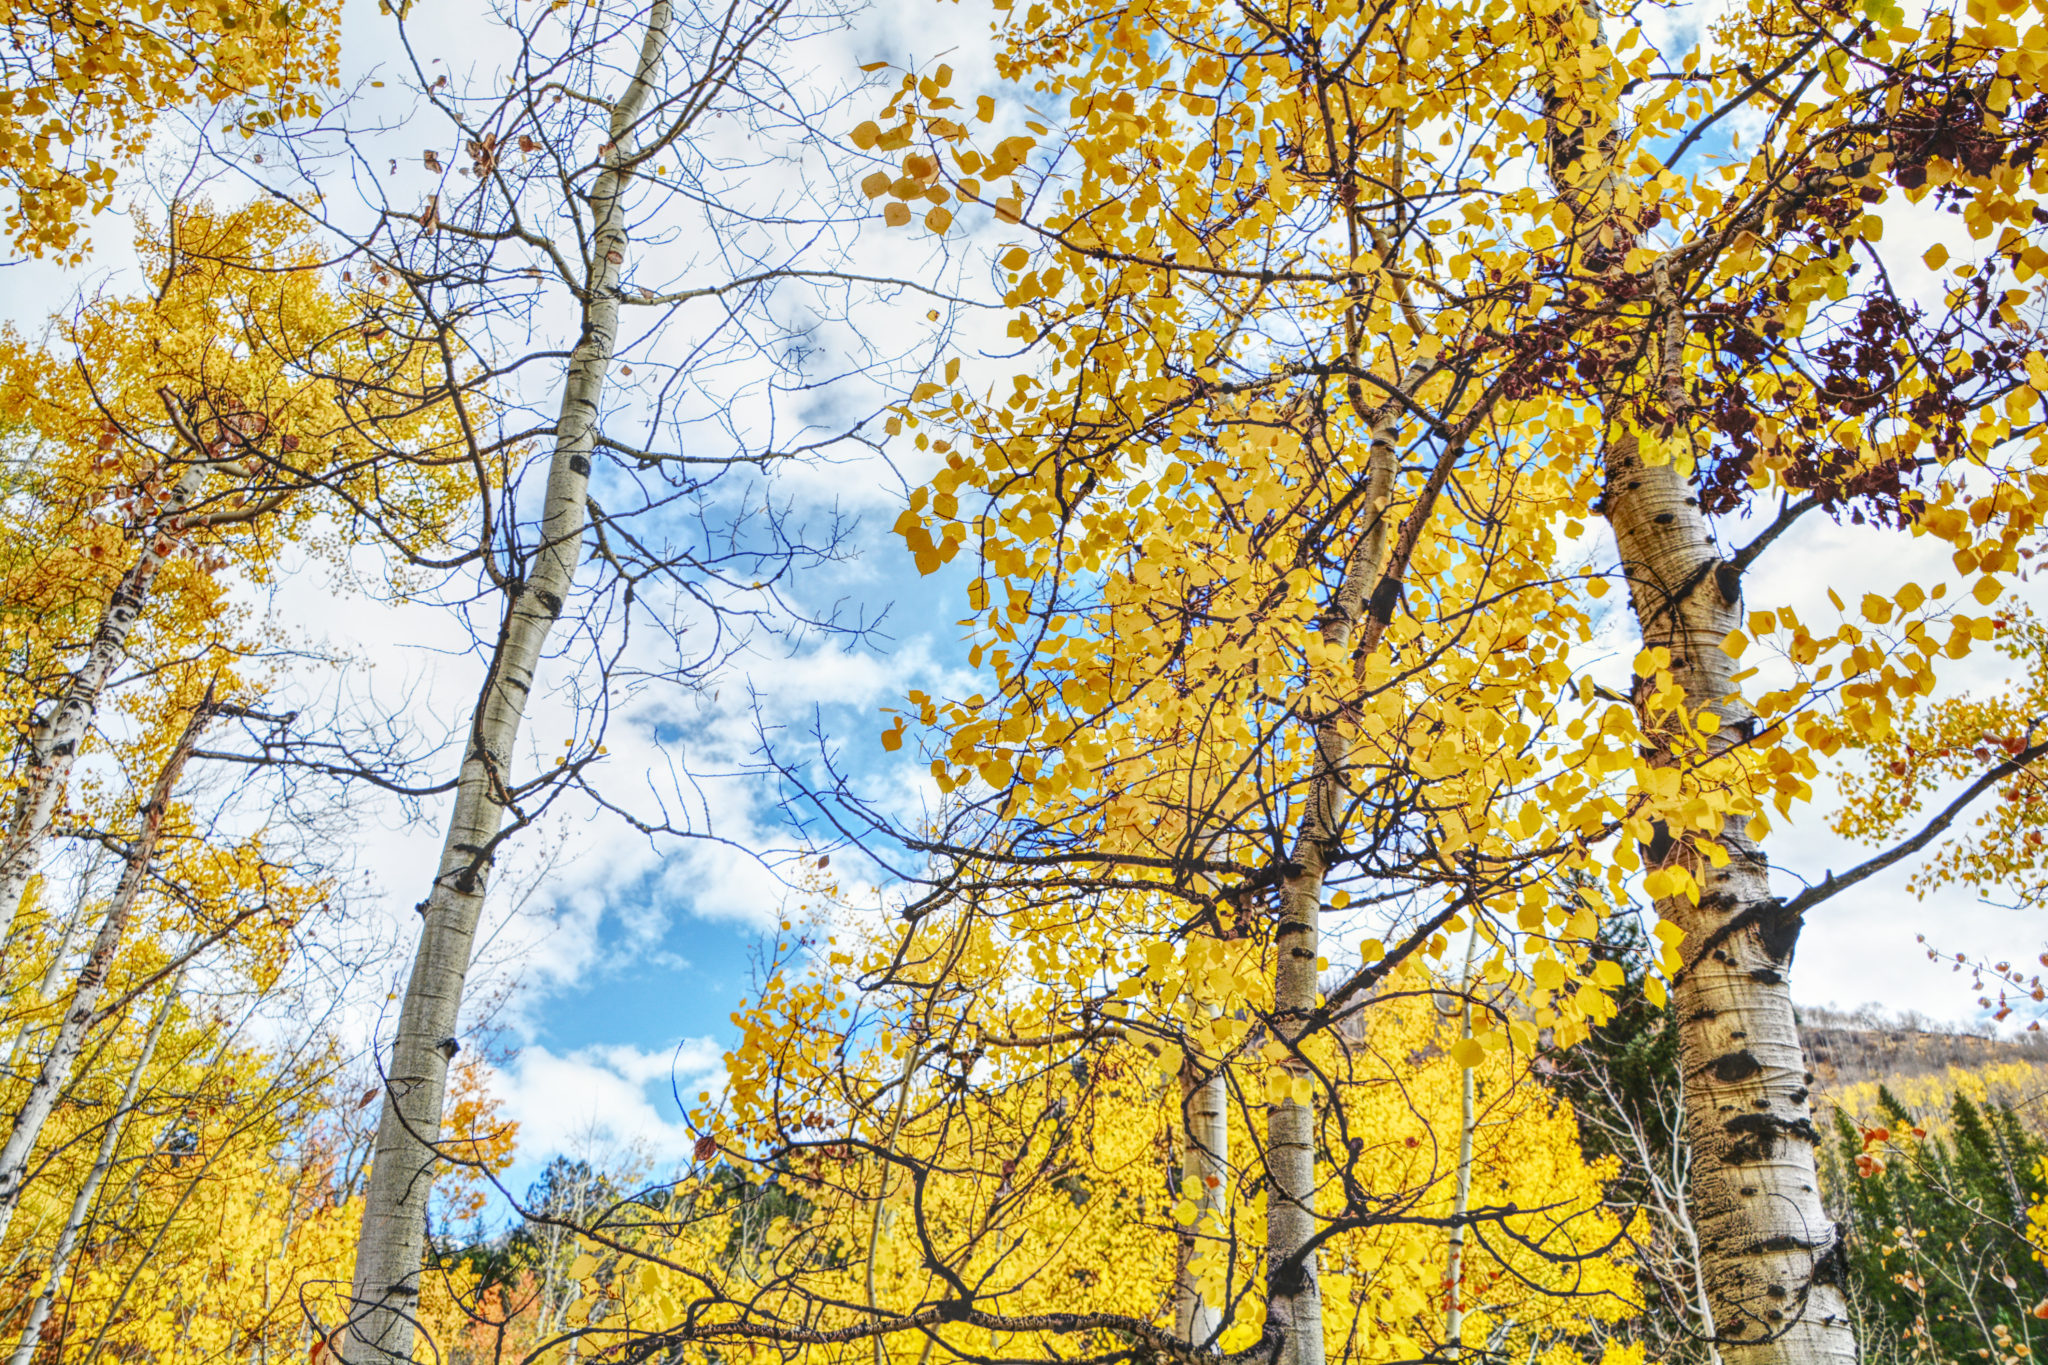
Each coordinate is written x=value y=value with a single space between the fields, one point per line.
x=1276 y=617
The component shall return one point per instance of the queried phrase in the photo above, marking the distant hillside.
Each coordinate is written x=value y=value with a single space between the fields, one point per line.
x=1848 y=1049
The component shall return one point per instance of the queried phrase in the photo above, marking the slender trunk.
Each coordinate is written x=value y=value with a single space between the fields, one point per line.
x=1461 y=1201
x=53 y=744
x=1771 y=1260
x=910 y=1061
x=46 y=986
x=1294 y=1283
x=1770 y=1257
x=81 y=1204
x=393 y=1236
x=1205 y=1116
x=55 y=1073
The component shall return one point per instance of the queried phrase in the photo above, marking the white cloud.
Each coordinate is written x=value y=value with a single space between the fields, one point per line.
x=607 y=1098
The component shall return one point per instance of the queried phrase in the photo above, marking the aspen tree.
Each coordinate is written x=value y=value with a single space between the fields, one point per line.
x=83 y=1007
x=187 y=431
x=592 y=185
x=1021 y=1179
x=89 y=1188
x=1640 y=336
x=388 y=1254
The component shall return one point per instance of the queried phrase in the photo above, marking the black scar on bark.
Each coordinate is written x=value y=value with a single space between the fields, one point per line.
x=1288 y=1280
x=1728 y=582
x=1758 y=1135
x=1735 y=1066
x=549 y=600
x=1833 y=1265
x=1778 y=930
x=580 y=465
x=1660 y=842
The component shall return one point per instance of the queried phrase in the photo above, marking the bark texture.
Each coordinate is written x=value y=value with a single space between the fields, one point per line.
x=389 y=1248
x=55 y=1073
x=1294 y=1284
x=53 y=743
x=1771 y=1259
x=1205 y=1111
x=1461 y=1201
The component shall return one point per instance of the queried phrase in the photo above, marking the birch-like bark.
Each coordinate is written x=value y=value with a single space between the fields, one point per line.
x=1461 y=1200
x=55 y=1072
x=1205 y=1114
x=1771 y=1259
x=53 y=743
x=1294 y=1284
x=81 y=1203
x=393 y=1236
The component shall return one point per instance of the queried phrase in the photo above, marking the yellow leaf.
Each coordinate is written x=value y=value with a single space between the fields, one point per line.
x=1467 y=1053
x=1936 y=257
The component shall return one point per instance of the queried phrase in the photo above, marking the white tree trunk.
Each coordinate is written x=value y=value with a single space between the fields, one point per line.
x=1294 y=1294
x=1205 y=1113
x=393 y=1237
x=55 y=1073
x=1461 y=1200
x=46 y=985
x=1771 y=1258
x=81 y=1204
x=53 y=743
